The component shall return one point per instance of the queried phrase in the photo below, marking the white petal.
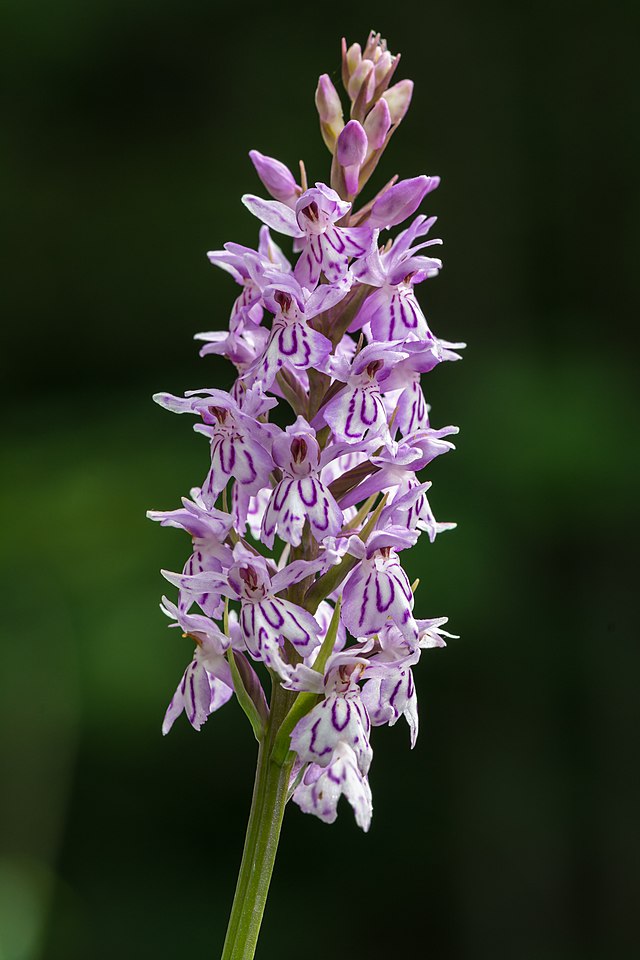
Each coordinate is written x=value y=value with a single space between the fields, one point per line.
x=274 y=213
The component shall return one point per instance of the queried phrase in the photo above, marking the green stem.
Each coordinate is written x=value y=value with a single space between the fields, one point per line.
x=261 y=842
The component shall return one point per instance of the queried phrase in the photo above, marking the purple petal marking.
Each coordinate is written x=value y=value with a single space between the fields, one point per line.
x=340 y=713
x=313 y=498
x=272 y=614
x=383 y=604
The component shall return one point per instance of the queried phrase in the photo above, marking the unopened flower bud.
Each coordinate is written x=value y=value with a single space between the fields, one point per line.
x=401 y=200
x=352 y=144
x=353 y=57
x=329 y=110
x=362 y=77
x=373 y=47
x=398 y=98
x=276 y=177
x=351 y=153
x=384 y=64
x=377 y=125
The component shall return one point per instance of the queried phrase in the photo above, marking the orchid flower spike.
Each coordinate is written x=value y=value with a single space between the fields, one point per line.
x=316 y=483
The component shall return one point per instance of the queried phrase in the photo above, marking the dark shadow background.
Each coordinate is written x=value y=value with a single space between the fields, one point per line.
x=511 y=831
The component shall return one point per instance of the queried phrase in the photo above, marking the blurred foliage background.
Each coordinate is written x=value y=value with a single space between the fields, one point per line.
x=511 y=831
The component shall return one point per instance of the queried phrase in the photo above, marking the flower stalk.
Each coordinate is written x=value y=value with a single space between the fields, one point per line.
x=261 y=841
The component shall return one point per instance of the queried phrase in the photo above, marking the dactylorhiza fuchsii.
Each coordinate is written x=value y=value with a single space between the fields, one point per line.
x=296 y=575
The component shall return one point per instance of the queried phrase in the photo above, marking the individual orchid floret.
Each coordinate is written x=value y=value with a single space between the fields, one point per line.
x=249 y=268
x=398 y=98
x=207 y=683
x=393 y=311
x=321 y=788
x=391 y=693
x=300 y=496
x=205 y=633
x=329 y=111
x=199 y=693
x=208 y=529
x=358 y=410
x=326 y=248
x=251 y=404
x=242 y=347
x=410 y=508
x=418 y=449
x=266 y=619
x=378 y=589
x=403 y=392
x=420 y=356
x=389 y=466
x=432 y=635
x=339 y=718
x=351 y=154
x=276 y=178
x=202 y=524
x=293 y=342
x=246 y=307
x=239 y=443
x=391 y=697
x=409 y=407
x=391 y=647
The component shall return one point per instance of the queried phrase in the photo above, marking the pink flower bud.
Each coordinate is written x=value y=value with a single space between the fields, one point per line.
x=276 y=177
x=398 y=98
x=384 y=64
x=362 y=76
x=327 y=100
x=354 y=57
x=401 y=200
x=352 y=145
x=351 y=153
x=373 y=47
x=377 y=125
x=329 y=110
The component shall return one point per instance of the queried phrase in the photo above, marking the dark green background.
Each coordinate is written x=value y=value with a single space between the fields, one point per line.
x=511 y=831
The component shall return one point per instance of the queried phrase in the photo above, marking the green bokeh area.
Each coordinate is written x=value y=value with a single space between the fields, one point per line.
x=511 y=831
